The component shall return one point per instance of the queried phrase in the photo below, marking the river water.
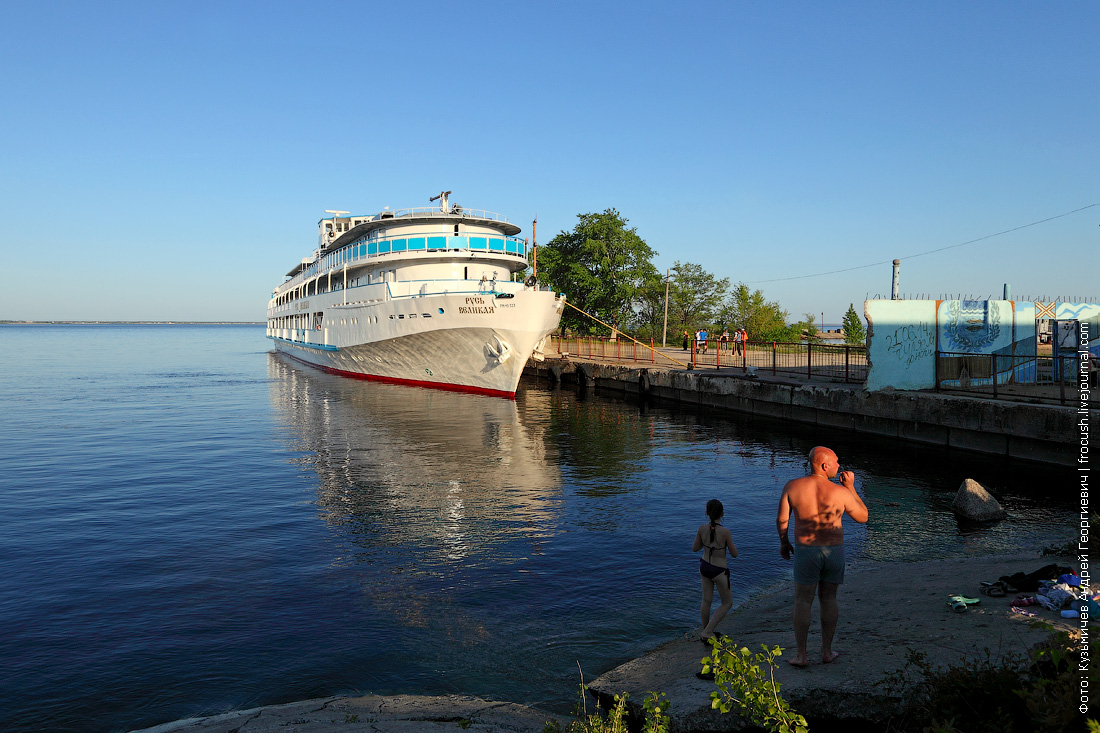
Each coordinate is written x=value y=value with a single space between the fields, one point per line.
x=190 y=524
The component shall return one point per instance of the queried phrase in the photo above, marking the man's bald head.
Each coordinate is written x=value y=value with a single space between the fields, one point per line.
x=819 y=456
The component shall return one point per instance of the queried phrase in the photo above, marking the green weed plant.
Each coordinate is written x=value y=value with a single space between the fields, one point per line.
x=1036 y=693
x=744 y=686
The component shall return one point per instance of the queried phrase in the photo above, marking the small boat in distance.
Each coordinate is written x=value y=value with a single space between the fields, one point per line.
x=424 y=297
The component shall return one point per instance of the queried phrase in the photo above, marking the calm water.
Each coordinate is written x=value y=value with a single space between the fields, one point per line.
x=189 y=524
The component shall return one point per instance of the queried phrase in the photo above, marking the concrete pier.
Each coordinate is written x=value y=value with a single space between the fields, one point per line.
x=1044 y=433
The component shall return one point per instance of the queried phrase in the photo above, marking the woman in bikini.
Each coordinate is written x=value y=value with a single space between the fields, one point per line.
x=716 y=539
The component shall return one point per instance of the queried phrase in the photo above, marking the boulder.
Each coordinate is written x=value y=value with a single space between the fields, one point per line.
x=974 y=502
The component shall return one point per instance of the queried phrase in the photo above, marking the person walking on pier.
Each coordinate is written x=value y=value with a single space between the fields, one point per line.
x=818 y=505
x=713 y=568
x=738 y=338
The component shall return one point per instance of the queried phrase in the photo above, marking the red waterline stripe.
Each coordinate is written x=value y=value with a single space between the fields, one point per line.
x=407 y=382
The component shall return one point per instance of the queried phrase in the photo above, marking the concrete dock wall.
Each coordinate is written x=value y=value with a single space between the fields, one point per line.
x=1025 y=431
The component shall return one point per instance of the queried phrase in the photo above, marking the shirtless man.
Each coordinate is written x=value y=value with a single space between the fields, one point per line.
x=819 y=506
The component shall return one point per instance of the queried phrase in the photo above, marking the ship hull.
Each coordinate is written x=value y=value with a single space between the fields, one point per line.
x=463 y=343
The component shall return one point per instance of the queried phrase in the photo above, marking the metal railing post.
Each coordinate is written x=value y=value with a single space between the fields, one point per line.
x=809 y=359
x=846 y=347
x=1061 y=378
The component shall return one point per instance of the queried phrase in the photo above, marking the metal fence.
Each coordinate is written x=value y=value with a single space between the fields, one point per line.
x=1038 y=378
x=811 y=360
x=840 y=362
x=602 y=347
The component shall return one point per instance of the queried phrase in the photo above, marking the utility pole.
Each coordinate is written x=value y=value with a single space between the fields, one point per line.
x=664 y=333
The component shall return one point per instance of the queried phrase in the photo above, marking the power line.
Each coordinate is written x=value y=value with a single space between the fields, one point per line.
x=922 y=254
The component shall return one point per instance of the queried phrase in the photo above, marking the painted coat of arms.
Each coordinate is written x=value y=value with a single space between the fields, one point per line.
x=972 y=325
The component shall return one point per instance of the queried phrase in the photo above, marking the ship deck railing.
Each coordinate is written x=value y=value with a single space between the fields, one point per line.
x=334 y=262
x=407 y=289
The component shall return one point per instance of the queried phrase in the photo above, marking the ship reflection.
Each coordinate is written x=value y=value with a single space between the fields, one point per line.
x=422 y=481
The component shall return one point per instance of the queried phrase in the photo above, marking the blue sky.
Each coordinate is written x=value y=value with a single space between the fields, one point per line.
x=169 y=160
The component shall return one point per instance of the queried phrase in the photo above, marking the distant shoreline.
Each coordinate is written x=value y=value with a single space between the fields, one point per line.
x=132 y=323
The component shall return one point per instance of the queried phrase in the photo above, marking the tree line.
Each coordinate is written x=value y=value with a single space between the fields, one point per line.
x=605 y=268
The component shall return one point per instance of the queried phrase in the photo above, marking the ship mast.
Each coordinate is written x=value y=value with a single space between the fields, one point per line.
x=442 y=199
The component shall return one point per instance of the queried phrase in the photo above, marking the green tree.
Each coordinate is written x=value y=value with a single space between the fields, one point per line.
x=694 y=297
x=649 y=310
x=854 y=332
x=763 y=320
x=809 y=326
x=602 y=267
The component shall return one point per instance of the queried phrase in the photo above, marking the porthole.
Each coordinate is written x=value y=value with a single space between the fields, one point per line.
x=440 y=311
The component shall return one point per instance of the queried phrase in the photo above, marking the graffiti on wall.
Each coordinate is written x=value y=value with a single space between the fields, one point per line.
x=912 y=342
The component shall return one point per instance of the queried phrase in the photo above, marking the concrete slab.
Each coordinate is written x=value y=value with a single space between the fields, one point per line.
x=884 y=609
x=375 y=713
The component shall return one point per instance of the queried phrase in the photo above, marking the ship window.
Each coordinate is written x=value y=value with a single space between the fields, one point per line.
x=401 y=316
x=391 y=316
x=412 y=315
x=426 y=315
x=440 y=311
x=456 y=230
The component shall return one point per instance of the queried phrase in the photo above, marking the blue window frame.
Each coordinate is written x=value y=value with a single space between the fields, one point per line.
x=477 y=243
x=399 y=245
x=416 y=242
x=437 y=243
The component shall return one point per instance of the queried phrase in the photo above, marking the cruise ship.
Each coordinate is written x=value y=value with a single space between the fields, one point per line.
x=429 y=297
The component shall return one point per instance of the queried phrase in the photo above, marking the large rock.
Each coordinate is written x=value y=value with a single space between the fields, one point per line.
x=974 y=502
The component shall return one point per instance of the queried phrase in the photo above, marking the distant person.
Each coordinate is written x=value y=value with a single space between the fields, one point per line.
x=724 y=340
x=818 y=505
x=713 y=568
x=687 y=338
x=738 y=338
x=703 y=335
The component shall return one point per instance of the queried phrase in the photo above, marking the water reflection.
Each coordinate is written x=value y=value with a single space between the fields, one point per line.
x=427 y=477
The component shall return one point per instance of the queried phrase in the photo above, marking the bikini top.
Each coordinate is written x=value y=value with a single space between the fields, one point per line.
x=711 y=549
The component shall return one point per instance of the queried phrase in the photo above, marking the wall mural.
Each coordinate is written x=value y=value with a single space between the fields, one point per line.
x=973 y=326
x=906 y=335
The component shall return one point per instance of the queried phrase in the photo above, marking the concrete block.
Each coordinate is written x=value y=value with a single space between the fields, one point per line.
x=979 y=441
x=803 y=414
x=771 y=409
x=876 y=425
x=922 y=432
x=845 y=419
x=1046 y=451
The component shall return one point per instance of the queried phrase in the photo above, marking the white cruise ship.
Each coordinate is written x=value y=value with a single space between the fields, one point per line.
x=425 y=297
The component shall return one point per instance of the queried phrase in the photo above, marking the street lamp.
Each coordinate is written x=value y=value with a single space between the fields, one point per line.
x=664 y=333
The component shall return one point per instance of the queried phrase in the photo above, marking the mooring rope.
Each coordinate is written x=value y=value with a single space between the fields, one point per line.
x=615 y=330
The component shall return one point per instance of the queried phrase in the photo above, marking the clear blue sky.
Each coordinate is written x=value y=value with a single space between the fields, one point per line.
x=170 y=160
